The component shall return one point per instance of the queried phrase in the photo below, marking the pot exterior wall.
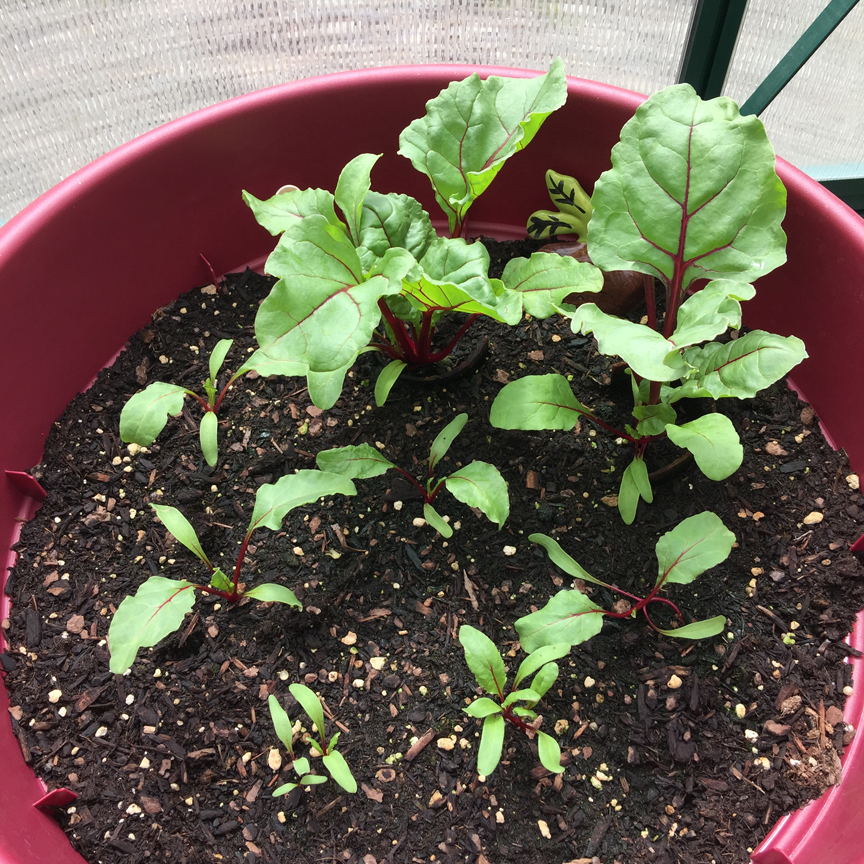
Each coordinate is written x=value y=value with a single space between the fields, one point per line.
x=84 y=267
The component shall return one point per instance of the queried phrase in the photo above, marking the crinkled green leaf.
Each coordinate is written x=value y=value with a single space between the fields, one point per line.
x=561 y=559
x=692 y=186
x=569 y=617
x=208 y=433
x=698 y=629
x=335 y=763
x=481 y=485
x=351 y=191
x=323 y=310
x=434 y=518
x=540 y=657
x=692 y=547
x=387 y=377
x=444 y=439
x=549 y=753
x=710 y=312
x=156 y=609
x=268 y=592
x=283 y=726
x=482 y=707
x=181 y=528
x=537 y=402
x=746 y=365
x=545 y=279
x=395 y=220
x=217 y=356
x=491 y=744
x=644 y=350
x=714 y=443
x=287 y=208
x=310 y=703
x=357 y=461
x=483 y=660
x=634 y=485
x=144 y=416
x=473 y=127
x=274 y=500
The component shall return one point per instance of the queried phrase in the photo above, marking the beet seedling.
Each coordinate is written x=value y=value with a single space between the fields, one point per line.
x=692 y=195
x=477 y=485
x=688 y=550
x=333 y=760
x=485 y=662
x=158 y=607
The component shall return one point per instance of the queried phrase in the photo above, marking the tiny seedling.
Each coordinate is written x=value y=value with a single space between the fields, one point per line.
x=144 y=416
x=573 y=213
x=158 y=607
x=514 y=704
x=333 y=760
x=381 y=279
x=692 y=197
x=688 y=550
x=477 y=485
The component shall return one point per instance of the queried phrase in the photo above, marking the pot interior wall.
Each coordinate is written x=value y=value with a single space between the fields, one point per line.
x=85 y=266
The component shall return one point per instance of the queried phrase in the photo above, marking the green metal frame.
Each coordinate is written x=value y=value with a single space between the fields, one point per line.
x=711 y=43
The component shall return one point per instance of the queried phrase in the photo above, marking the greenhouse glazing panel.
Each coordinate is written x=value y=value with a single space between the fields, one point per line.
x=80 y=77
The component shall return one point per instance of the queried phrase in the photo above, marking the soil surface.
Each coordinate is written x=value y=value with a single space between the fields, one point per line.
x=674 y=750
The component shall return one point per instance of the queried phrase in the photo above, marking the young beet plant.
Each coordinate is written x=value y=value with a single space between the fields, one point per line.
x=379 y=278
x=688 y=550
x=692 y=195
x=478 y=485
x=512 y=705
x=158 y=607
x=144 y=416
x=333 y=760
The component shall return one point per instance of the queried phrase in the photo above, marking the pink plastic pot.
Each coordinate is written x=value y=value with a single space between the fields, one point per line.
x=83 y=268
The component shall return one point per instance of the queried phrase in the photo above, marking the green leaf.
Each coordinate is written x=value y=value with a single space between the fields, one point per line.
x=335 y=763
x=549 y=753
x=217 y=357
x=310 y=703
x=274 y=500
x=698 y=629
x=714 y=443
x=561 y=559
x=287 y=208
x=267 y=366
x=386 y=379
x=180 y=527
x=208 y=433
x=436 y=521
x=634 y=485
x=482 y=707
x=283 y=726
x=352 y=188
x=444 y=439
x=537 y=402
x=156 y=609
x=692 y=186
x=483 y=660
x=491 y=744
x=325 y=388
x=357 y=461
x=312 y=780
x=545 y=279
x=144 y=416
x=545 y=678
x=644 y=350
x=710 y=312
x=219 y=580
x=323 y=310
x=692 y=547
x=746 y=365
x=300 y=766
x=653 y=419
x=481 y=485
x=394 y=220
x=569 y=617
x=284 y=789
x=539 y=658
x=268 y=592
x=527 y=694
x=472 y=128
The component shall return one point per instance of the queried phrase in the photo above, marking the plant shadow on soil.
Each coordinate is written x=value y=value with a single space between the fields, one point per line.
x=171 y=760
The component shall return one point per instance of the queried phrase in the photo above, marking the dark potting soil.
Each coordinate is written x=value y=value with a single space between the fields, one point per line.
x=675 y=751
